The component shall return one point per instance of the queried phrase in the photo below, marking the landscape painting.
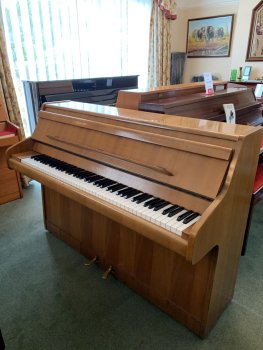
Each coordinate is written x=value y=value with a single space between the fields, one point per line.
x=209 y=37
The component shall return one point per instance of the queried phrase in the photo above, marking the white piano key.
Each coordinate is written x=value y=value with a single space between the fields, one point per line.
x=163 y=221
x=138 y=210
x=159 y=213
x=180 y=229
x=173 y=220
x=156 y=217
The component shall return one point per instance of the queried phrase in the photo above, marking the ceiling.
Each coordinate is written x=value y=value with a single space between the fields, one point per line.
x=202 y=3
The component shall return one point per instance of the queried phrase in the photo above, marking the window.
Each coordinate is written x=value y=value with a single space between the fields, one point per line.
x=66 y=39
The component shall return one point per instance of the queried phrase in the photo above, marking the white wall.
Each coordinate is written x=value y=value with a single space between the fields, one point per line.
x=220 y=66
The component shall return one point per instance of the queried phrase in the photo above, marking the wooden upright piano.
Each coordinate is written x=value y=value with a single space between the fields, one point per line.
x=159 y=201
x=10 y=185
x=190 y=100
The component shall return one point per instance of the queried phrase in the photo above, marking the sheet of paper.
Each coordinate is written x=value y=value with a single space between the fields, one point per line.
x=230 y=113
x=259 y=90
x=209 y=88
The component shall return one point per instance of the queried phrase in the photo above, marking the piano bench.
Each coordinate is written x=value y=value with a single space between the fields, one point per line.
x=256 y=197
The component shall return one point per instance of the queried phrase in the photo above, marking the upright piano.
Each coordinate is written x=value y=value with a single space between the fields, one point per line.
x=102 y=90
x=159 y=201
x=190 y=100
x=10 y=185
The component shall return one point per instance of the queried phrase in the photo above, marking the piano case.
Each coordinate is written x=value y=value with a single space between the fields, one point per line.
x=204 y=166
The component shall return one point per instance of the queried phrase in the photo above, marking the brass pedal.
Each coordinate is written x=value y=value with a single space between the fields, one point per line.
x=106 y=273
x=92 y=261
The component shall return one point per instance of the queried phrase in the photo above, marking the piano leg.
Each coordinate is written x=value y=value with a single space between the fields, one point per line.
x=162 y=276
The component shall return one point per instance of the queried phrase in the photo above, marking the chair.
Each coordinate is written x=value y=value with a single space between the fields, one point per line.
x=256 y=196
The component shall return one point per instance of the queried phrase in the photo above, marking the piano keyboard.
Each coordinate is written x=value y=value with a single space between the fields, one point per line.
x=171 y=217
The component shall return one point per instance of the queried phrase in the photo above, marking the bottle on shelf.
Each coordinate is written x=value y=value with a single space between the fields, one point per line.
x=239 y=73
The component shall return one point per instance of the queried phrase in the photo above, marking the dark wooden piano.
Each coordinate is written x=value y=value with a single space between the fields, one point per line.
x=102 y=90
x=190 y=100
x=159 y=201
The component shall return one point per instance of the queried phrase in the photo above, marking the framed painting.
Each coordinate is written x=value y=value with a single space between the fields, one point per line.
x=255 y=40
x=209 y=36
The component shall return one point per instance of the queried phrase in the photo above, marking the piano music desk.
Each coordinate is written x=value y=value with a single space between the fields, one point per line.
x=203 y=166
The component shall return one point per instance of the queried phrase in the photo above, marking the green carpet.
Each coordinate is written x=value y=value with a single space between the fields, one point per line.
x=50 y=301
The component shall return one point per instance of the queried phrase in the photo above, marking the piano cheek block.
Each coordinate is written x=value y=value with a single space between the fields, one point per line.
x=162 y=235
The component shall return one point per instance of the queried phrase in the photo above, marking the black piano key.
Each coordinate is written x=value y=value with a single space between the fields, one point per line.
x=123 y=191
x=151 y=201
x=185 y=215
x=175 y=211
x=82 y=176
x=156 y=204
x=79 y=173
x=111 y=186
x=190 y=218
x=95 y=178
x=115 y=188
x=74 y=170
x=101 y=182
x=141 y=197
x=70 y=170
x=97 y=182
x=105 y=182
x=52 y=164
x=172 y=207
x=109 y=183
x=88 y=176
x=161 y=206
x=131 y=194
x=60 y=166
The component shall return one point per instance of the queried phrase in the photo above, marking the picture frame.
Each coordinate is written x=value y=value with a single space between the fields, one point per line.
x=246 y=73
x=259 y=91
x=255 y=39
x=209 y=36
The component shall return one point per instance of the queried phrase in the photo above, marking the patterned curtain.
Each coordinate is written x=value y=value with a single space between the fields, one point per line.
x=169 y=7
x=7 y=83
x=8 y=89
x=160 y=42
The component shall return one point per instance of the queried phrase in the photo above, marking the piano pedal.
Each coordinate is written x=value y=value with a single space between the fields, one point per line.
x=106 y=273
x=91 y=262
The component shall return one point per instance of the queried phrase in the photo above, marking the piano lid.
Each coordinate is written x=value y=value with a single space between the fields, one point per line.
x=174 y=122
